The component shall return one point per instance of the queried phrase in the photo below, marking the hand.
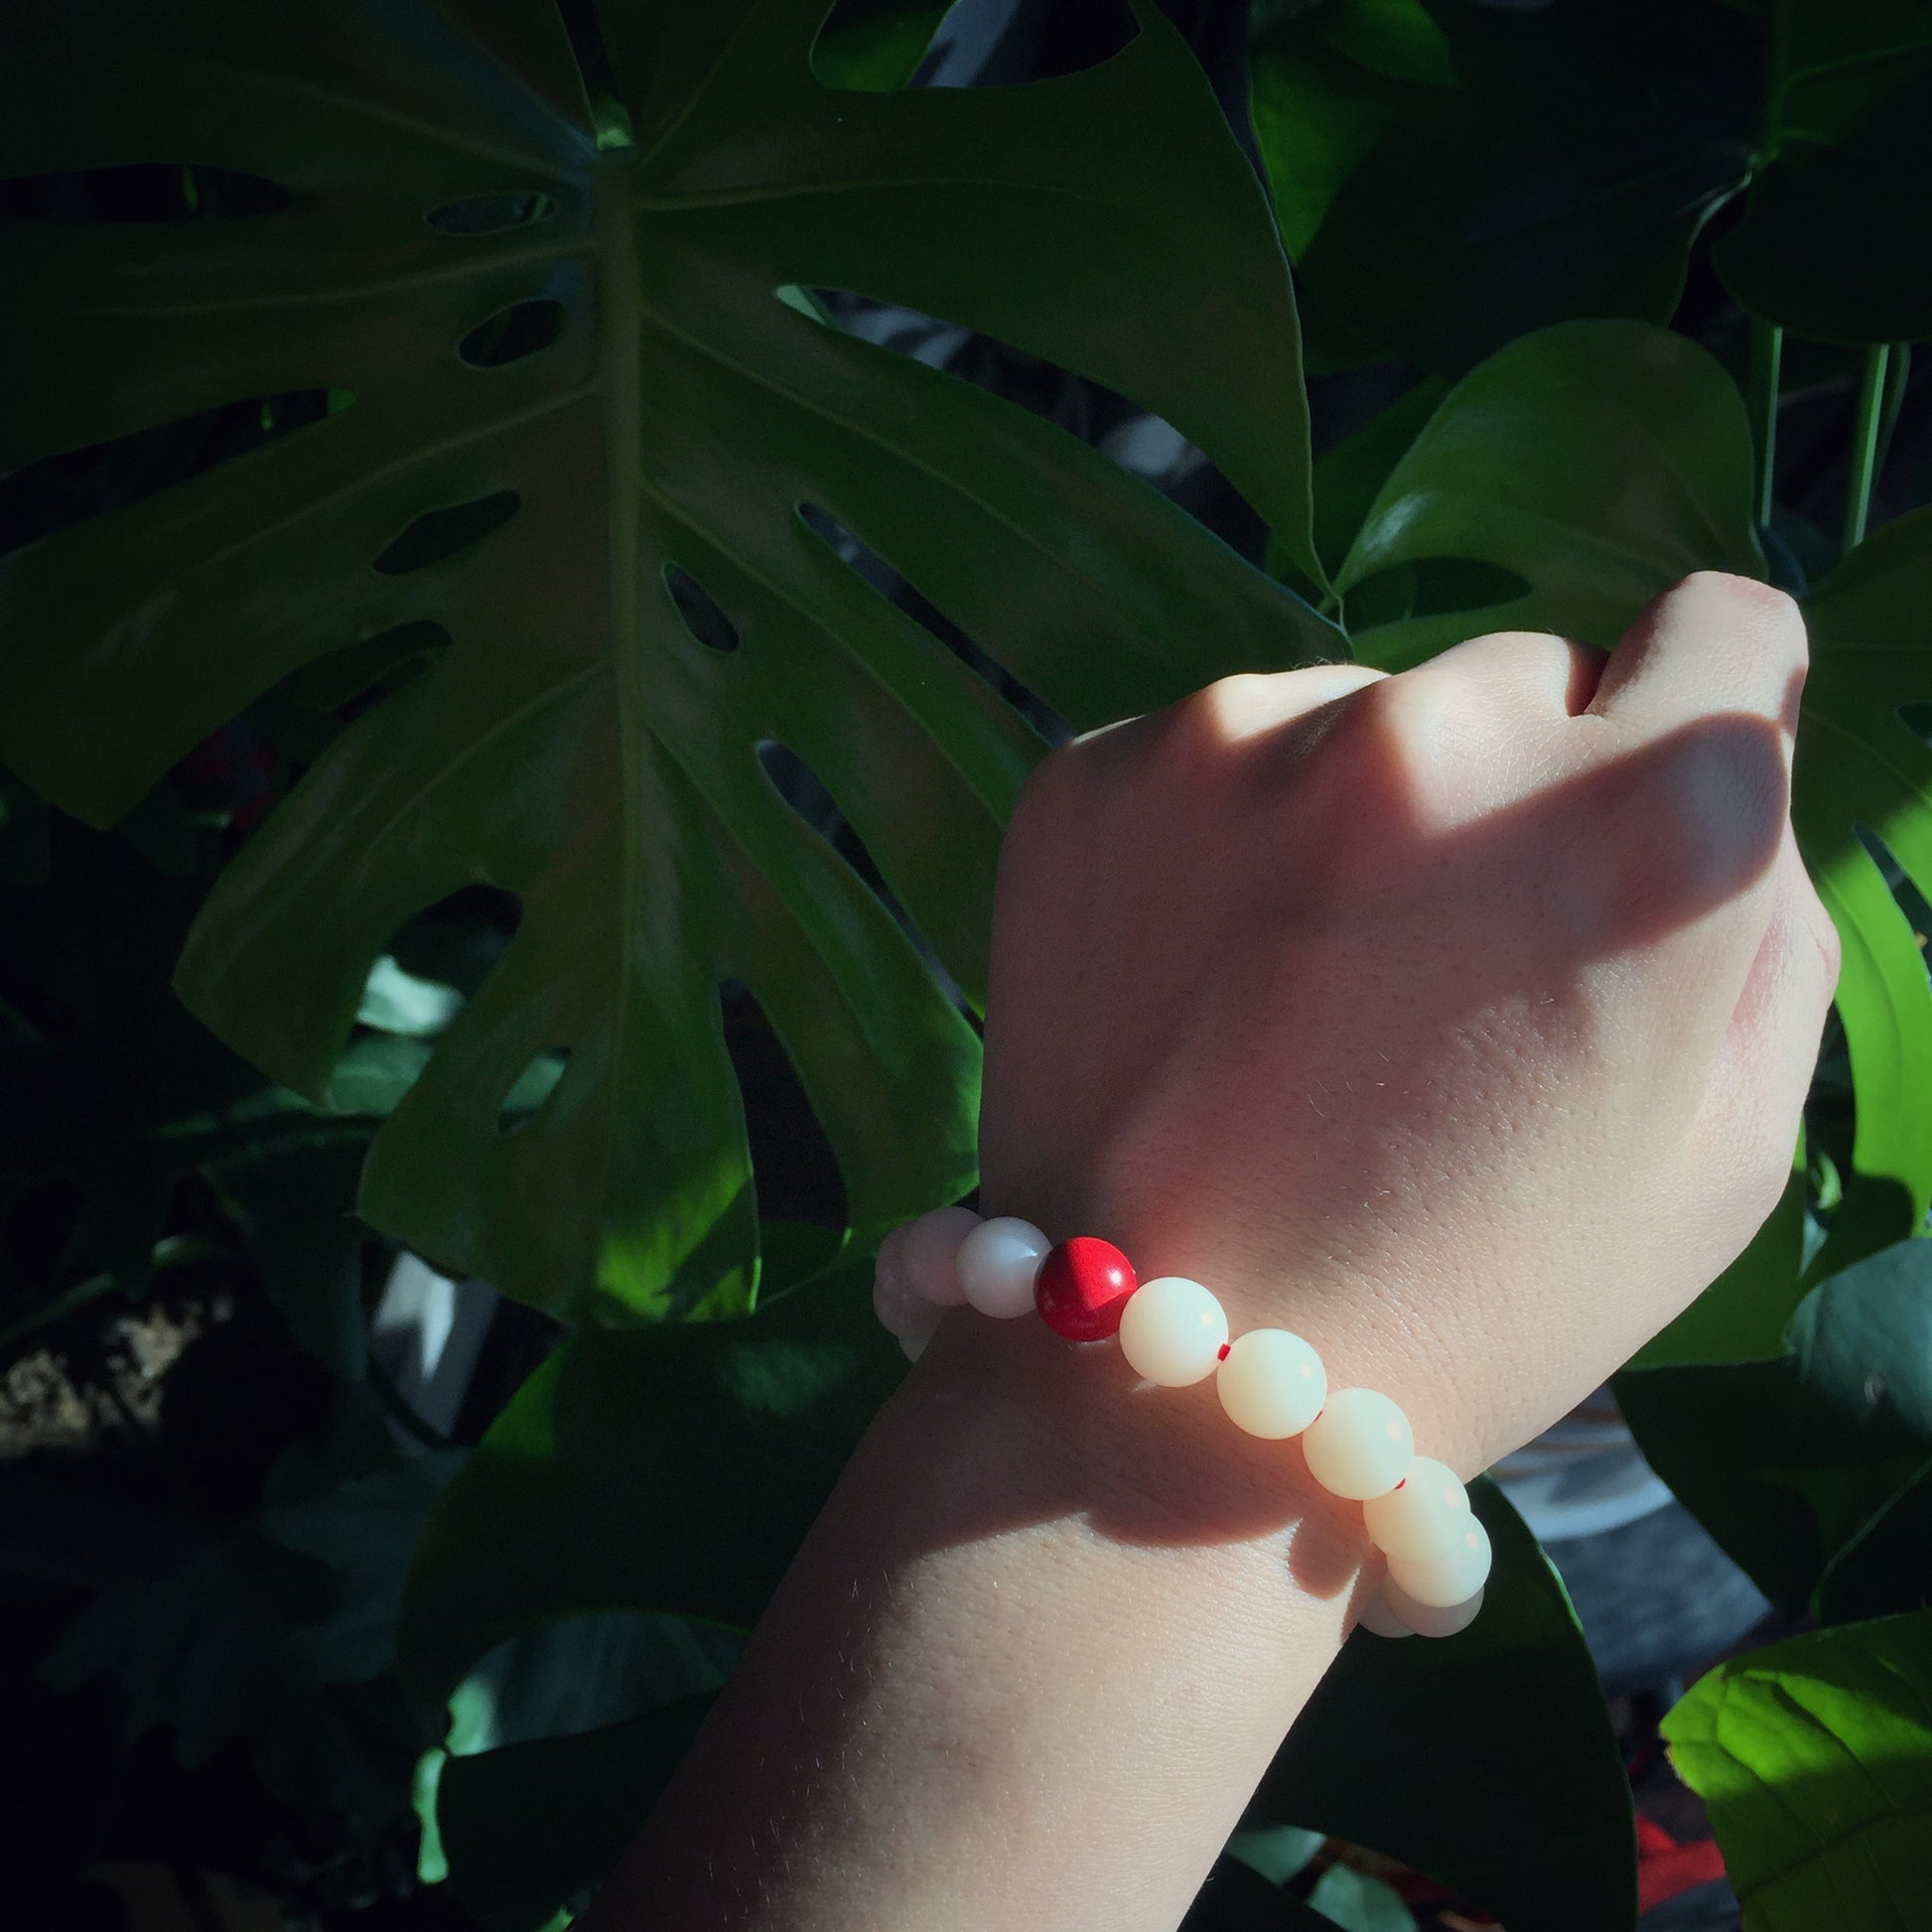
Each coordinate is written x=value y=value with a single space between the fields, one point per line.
x=1459 y=1019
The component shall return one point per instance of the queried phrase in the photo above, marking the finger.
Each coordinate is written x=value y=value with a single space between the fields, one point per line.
x=1713 y=643
x=1230 y=711
x=1530 y=672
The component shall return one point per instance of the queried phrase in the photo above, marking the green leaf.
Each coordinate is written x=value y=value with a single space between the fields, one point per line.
x=1359 y=1903
x=1836 y=239
x=527 y=1827
x=1236 y=1898
x=1493 y=476
x=1814 y=1757
x=668 y=1469
x=579 y=514
x=1742 y=1316
x=1276 y=1852
x=1504 y=1779
x=1797 y=1466
x=1565 y=176
x=1860 y=766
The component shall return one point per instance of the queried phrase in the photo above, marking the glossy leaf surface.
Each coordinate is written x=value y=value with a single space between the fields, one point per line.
x=582 y=419
x=1815 y=1759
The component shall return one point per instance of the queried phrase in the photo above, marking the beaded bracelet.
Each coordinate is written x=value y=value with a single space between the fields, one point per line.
x=1174 y=1332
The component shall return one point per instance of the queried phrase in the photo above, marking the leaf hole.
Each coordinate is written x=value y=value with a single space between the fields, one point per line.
x=522 y=330
x=873 y=568
x=882 y=46
x=795 y=1171
x=440 y=534
x=145 y=191
x=480 y=214
x=530 y=1093
x=302 y=715
x=59 y=491
x=458 y=939
x=1147 y=447
x=699 y=611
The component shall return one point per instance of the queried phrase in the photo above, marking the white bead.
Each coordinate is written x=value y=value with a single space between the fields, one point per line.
x=1459 y=1572
x=932 y=1253
x=1359 y=1444
x=921 y=1326
x=1381 y=1621
x=997 y=1264
x=893 y=1295
x=1429 y=1620
x=1272 y=1383
x=1421 y=1515
x=1171 y=1331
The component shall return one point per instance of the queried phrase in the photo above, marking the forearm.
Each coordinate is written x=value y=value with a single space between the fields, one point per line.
x=1027 y=1668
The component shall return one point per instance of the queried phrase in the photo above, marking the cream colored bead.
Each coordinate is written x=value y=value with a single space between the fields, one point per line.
x=921 y=1325
x=1459 y=1572
x=933 y=1252
x=1421 y=1515
x=997 y=1264
x=1429 y=1620
x=1381 y=1621
x=1272 y=1383
x=1171 y=1331
x=1359 y=1445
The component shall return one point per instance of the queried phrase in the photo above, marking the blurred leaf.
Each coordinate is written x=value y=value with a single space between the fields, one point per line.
x=874 y=44
x=1836 y=239
x=363 y=1533
x=1276 y=1852
x=1361 y=1903
x=1742 y=1316
x=1396 y=38
x=672 y=1469
x=396 y=1002
x=527 y=1826
x=1814 y=1757
x=1486 y=1760
x=1236 y=1898
x=582 y=437
x=1796 y=1465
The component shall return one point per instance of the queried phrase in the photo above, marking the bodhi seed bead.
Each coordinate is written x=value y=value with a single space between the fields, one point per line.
x=1381 y=1621
x=1272 y=1383
x=1456 y=1574
x=933 y=1252
x=997 y=1264
x=1359 y=1445
x=1172 y=1331
x=1428 y=1620
x=1421 y=1515
x=922 y=1323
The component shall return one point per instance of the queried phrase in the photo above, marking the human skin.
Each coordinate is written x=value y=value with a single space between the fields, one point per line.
x=1460 y=1021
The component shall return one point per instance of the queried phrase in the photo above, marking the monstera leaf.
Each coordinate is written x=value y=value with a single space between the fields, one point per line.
x=569 y=411
x=1597 y=463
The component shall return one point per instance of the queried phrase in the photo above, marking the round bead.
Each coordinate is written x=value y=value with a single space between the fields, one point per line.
x=921 y=1326
x=931 y=1252
x=893 y=1295
x=1359 y=1445
x=1172 y=1331
x=1459 y=1572
x=1421 y=1515
x=1082 y=1287
x=1428 y=1620
x=997 y=1264
x=1381 y=1621
x=1272 y=1383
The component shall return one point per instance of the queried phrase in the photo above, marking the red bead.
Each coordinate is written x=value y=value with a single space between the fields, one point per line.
x=1082 y=1287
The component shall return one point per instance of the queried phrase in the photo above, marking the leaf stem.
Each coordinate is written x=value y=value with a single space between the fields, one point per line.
x=1768 y=360
x=1865 y=446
